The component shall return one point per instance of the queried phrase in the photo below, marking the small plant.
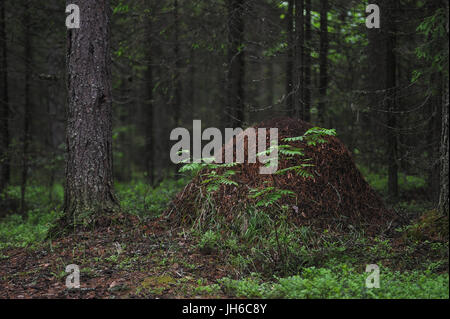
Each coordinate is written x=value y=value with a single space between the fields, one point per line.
x=209 y=241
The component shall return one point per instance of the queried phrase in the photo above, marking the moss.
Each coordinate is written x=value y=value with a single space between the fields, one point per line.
x=431 y=225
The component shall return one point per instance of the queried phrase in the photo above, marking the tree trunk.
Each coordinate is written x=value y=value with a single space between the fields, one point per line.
x=4 y=104
x=323 y=61
x=148 y=106
x=443 y=194
x=434 y=111
x=307 y=66
x=176 y=79
x=270 y=83
x=391 y=80
x=290 y=59
x=236 y=62
x=89 y=168
x=299 y=58
x=27 y=106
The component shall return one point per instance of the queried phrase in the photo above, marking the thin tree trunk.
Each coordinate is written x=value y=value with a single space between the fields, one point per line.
x=391 y=82
x=433 y=137
x=89 y=168
x=290 y=59
x=299 y=58
x=236 y=62
x=270 y=83
x=307 y=66
x=27 y=107
x=192 y=83
x=149 y=141
x=4 y=104
x=323 y=83
x=177 y=81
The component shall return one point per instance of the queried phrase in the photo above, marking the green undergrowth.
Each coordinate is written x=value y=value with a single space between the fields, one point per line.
x=42 y=208
x=142 y=199
x=379 y=181
x=338 y=281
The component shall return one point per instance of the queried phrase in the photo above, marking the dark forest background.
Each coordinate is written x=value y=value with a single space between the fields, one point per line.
x=234 y=63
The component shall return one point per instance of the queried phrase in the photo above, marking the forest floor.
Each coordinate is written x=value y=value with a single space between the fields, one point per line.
x=141 y=256
x=114 y=262
x=153 y=261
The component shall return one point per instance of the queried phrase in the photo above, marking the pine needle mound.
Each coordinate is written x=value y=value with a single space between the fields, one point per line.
x=335 y=196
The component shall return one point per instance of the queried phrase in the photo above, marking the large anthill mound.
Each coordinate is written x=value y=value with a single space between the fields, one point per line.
x=336 y=197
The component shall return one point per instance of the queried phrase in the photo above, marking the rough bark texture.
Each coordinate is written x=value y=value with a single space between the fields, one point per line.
x=4 y=104
x=89 y=170
x=443 y=195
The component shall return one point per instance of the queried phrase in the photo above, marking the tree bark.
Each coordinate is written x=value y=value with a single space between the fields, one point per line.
x=236 y=63
x=26 y=140
x=89 y=167
x=148 y=106
x=176 y=79
x=4 y=104
x=323 y=61
x=290 y=59
x=307 y=66
x=443 y=207
x=391 y=82
x=299 y=58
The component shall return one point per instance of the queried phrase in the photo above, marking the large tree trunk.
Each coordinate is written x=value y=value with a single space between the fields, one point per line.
x=89 y=170
x=4 y=104
x=323 y=61
x=236 y=62
x=443 y=194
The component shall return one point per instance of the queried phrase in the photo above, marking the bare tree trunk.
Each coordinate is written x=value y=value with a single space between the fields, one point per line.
x=391 y=82
x=307 y=66
x=443 y=194
x=4 y=104
x=27 y=106
x=148 y=106
x=323 y=83
x=89 y=168
x=236 y=62
x=299 y=58
x=290 y=59
x=176 y=79
x=434 y=111
x=270 y=83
